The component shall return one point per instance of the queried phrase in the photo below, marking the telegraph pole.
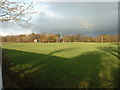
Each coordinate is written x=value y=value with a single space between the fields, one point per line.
x=102 y=39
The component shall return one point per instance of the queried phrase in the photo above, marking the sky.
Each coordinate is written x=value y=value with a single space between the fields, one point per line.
x=88 y=18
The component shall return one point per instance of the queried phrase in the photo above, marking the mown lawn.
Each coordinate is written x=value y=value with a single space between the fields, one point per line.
x=63 y=65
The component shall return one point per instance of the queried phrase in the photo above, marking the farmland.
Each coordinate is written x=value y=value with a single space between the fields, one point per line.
x=63 y=65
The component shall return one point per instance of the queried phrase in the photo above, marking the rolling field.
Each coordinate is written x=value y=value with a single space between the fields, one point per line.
x=64 y=65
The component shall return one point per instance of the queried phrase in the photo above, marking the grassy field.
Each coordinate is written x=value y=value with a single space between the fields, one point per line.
x=65 y=65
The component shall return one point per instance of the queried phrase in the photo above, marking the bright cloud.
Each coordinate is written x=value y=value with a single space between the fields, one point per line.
x=3 y=33
x=14 y=32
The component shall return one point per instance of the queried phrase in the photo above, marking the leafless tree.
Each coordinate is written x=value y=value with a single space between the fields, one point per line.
x=16 y=11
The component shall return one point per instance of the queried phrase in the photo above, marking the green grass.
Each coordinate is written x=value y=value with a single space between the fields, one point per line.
x=71 y=65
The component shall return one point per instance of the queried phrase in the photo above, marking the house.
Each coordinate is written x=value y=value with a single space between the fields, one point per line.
x=36 y=40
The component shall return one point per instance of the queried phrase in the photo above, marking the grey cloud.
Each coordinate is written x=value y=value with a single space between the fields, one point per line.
x=101 y=23
x=77 y=18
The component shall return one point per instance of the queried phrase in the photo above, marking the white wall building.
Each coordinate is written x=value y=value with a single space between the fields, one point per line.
x=35 y=40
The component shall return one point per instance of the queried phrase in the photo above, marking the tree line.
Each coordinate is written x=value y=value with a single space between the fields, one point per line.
x=49 y=38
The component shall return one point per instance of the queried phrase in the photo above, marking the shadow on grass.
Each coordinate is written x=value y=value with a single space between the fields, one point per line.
x=66 y=49
x=31 y=70
x=115 y=51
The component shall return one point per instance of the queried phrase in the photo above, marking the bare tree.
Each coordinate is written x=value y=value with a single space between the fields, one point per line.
x=16 y=11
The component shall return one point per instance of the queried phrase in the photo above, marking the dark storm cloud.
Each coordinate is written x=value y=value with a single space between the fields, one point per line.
x=83 y=18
